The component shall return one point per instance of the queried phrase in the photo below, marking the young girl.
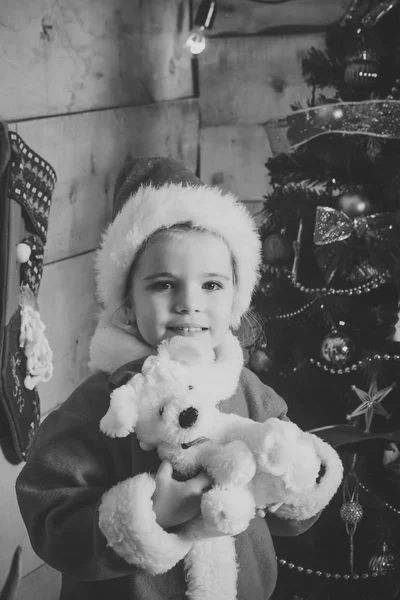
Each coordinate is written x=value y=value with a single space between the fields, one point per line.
x=179 y=258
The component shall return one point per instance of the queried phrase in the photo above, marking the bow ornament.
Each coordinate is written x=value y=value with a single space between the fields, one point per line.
x=333 y=225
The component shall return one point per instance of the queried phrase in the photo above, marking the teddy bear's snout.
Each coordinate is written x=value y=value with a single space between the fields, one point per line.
x=188 y=417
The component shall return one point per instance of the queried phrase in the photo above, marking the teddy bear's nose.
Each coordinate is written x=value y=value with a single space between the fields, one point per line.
x=188 y=417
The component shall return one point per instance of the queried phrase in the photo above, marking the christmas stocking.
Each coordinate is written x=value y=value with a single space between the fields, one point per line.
x=26 y=186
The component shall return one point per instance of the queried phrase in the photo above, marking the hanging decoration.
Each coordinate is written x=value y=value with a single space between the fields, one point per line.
x=362 y=62
x=371 y=403
x=336 y=234
x=335 y=226
x=277 y=249
x=351 y=513
x=354 y=203
x=383 y=561
x=203 y=21
x=337 y=348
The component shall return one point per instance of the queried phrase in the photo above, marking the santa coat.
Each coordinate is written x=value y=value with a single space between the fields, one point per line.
x=72 y=465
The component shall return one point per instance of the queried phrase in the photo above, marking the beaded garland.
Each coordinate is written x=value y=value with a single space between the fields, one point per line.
x=327 y=575
x=360 y=289
x=355 y=366
x=364 y=288
x=293 y=313
x=383 y=502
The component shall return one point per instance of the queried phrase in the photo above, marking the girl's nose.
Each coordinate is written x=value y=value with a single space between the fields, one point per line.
x=188 y=301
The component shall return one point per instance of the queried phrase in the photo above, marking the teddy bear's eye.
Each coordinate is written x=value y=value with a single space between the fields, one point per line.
x=191 y=387
x=161 y=411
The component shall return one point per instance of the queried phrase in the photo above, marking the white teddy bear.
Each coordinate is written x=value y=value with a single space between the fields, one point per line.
x=172 y=406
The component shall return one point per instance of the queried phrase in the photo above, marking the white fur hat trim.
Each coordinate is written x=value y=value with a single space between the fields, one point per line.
x=152 y=208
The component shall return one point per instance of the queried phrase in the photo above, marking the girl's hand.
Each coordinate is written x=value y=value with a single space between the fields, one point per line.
x=175 y=502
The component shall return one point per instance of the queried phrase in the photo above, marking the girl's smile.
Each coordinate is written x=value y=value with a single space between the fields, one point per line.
x=183 y=286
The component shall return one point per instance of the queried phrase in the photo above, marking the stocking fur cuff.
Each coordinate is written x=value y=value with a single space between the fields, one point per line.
x=127 y=520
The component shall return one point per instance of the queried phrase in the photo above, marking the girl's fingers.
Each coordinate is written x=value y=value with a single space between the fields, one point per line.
x=200 y=483
x=164 y=471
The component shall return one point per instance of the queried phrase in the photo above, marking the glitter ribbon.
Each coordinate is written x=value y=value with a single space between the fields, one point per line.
x=377 y=118
x=333 y=225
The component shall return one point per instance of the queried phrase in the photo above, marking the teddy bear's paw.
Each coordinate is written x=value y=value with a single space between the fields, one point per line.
x=232 y=464
x=229 y=509
x=272 y=454
x=112 y=425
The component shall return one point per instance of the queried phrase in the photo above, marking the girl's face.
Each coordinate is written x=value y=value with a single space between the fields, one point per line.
x=183 y=287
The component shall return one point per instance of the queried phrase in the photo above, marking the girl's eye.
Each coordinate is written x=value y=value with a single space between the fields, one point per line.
x=161 y=286
x=213 y=285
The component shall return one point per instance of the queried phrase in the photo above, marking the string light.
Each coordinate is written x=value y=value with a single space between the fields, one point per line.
x=204 y=20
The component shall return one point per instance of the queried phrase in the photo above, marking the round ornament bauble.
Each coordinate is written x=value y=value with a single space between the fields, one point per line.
x=361 y=71
x=351 y=512
x=277 y=249
x=337 y=348
x=362 y=74
x=354 y=204
x=383 y=561
x=260 y=362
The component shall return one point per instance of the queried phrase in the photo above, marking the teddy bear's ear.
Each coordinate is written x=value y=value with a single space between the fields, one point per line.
x=119 y=379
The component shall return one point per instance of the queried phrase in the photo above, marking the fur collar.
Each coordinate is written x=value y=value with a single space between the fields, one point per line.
x=114 y=345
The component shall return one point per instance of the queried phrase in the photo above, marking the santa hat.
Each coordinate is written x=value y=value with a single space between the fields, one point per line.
x=156 y=193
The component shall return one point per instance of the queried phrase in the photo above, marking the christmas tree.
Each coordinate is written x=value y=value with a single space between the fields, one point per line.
x=328 y=300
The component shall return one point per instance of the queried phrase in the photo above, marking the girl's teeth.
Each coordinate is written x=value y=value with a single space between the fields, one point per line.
x=189 y=328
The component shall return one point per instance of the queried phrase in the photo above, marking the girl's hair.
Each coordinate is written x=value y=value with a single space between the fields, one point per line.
x=180 y=232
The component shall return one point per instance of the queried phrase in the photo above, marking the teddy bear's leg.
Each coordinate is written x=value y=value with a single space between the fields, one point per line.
x=232 y=464
x=228 y=509
x=211 y=569
x=120 y=419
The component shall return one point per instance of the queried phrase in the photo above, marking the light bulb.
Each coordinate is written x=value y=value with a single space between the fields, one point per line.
x=204 y=20
x=196 y=41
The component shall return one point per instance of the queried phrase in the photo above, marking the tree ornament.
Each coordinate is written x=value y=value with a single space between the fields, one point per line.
x=277 y=249
x=260 y=362
x=351 y=512
x=362 y=62
x=354 y=204
x=383 y=561
x=362 y=272
x=374 y=148
x=337 y=348
x=371 y=403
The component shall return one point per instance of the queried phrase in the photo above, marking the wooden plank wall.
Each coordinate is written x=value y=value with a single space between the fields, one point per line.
x=87 y=85
x=250 y=72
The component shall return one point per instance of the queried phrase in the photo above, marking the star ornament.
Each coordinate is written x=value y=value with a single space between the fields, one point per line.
x=371 y=403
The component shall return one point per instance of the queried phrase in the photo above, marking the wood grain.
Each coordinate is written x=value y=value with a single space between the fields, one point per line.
x=233 y=157
x=252 y=79
x=43 y=583
x=87 y=150
x=245 y=17
x=71 y=55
